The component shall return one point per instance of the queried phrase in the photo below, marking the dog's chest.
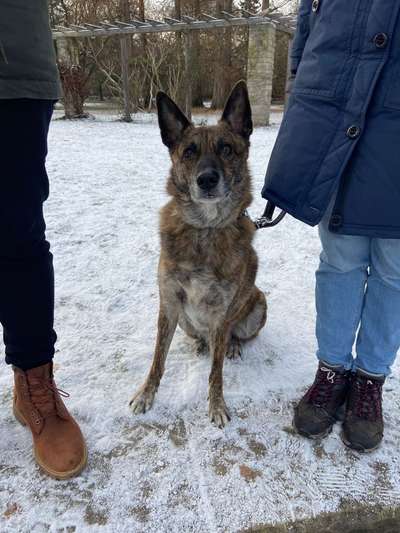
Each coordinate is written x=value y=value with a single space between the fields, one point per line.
x=204 y=298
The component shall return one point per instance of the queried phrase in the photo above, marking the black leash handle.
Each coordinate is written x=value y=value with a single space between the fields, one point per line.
x=267 y=220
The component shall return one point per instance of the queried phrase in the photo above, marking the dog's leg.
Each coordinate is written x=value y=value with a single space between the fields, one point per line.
x=254 y=318
x=218 y=411
x=144 y=397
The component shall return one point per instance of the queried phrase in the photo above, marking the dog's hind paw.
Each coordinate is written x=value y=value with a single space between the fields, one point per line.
x=235 y=349
x=142 y=401
x=218 y=413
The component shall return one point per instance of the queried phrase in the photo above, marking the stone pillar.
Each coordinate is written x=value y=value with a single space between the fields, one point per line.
x=260 y=71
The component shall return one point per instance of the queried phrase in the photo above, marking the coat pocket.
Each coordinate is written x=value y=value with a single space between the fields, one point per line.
x=392 y=99
x=328 y=47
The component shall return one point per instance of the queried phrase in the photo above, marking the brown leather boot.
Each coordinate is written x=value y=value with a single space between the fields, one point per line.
x=58 y=443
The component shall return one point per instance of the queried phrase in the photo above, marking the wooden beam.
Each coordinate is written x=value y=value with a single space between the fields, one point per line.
x=154 y=22
x=227 y=15
x=125 y=24
x=170 y=20
x=138 y=22
x=156 y=26
x=208 y=17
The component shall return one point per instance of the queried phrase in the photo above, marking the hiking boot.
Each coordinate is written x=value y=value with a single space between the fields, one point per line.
x=58 y=444
x=363 y=423
x=320 y=407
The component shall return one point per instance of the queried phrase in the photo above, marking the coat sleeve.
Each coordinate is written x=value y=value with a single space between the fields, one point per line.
x=301 y=35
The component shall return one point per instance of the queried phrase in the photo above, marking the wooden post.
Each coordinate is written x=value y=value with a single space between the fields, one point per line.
x=188 y=70
x=126 y=90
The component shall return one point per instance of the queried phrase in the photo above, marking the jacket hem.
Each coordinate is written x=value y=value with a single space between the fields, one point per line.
x=373 y=232
x=290 y=209
x=32 y=89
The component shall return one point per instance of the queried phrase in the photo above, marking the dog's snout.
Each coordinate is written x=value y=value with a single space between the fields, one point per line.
x=208 y=180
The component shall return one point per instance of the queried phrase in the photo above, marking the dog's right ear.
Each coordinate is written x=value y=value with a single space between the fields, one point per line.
x=171 y=120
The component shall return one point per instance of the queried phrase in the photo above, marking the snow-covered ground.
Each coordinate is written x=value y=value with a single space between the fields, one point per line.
x=171 y=470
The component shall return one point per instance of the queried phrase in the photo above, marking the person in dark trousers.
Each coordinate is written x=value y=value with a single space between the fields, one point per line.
x=336 y=163
x=29 y=86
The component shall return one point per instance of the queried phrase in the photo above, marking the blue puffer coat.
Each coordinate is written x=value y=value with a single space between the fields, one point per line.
x=341 y=131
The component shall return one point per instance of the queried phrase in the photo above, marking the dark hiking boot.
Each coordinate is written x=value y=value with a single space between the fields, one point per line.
x=320 y=407
x=363 y=423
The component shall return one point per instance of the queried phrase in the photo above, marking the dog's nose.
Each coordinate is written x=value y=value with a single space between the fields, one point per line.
x=208 y=180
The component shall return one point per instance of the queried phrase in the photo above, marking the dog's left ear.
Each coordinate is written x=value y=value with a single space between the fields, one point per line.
x=237 y=112
x=171 y=120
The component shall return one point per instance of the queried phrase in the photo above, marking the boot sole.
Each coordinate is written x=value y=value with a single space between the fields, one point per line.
x=53 y=473
x=356 y=448
x=311 y=436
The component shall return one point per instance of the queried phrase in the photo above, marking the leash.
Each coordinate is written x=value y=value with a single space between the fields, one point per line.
x=267 y=219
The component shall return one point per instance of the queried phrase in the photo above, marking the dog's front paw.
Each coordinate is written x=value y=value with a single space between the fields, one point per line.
x=218 y=412
x=142 y=400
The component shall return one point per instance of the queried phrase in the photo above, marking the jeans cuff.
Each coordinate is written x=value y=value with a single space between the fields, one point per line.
x=345 y=363
x=374 y=375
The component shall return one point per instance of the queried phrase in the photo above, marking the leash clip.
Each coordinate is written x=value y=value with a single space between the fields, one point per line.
x=267 y=220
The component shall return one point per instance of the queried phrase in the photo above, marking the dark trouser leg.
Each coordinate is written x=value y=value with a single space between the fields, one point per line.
x=26 y=267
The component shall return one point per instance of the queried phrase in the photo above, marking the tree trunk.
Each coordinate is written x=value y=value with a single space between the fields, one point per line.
x=126 y=88
x=143 y=39
x=223 y=60
x=265 y=5
x=188 y=72
x=73 y=79
x=181 y=96
x=197 y=89
x=125 y=44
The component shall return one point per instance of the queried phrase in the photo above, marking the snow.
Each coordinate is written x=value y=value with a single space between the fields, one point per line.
x=171 y=470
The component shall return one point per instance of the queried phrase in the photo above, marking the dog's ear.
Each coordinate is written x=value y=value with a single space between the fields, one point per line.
x=237 y=112
x=171 y=120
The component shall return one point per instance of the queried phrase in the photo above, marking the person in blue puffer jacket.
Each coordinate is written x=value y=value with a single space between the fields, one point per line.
x=336 y=163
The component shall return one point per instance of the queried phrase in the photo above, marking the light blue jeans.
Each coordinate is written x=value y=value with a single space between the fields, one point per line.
x=358 y=295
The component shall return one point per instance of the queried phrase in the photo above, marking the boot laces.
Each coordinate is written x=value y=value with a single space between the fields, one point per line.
x=43 y=394
x=367 y=399
x=320 y=393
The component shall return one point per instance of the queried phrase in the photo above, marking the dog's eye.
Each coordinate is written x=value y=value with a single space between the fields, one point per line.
x=226 y=150
x=190 y=151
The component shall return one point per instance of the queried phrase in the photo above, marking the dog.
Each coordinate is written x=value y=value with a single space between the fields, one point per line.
x=207 y=266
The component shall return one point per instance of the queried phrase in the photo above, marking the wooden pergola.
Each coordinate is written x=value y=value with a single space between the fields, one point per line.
x=186 y=25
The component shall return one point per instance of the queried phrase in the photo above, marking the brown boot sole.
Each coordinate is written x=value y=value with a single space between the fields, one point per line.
x=52 y=473
x=356 y=448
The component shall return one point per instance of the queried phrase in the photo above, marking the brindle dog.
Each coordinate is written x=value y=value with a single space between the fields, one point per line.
x=207 y=264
